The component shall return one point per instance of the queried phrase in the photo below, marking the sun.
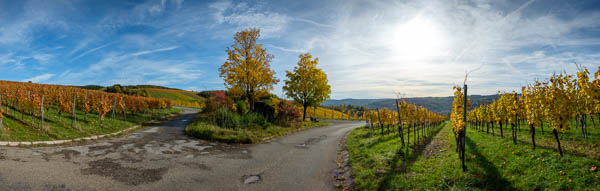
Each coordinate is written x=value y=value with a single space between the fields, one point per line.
x=417 y=39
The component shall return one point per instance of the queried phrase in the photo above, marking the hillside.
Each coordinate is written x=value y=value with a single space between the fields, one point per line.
x=179 y=97
x=441 y=105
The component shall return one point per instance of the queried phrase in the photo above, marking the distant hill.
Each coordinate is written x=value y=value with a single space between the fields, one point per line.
x=97 y=87
x=442 y=105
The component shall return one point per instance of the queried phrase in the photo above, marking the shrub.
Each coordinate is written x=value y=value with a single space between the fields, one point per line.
x=217 y=101
x=255 y=119
x=266 y=108
x=241 y=107
x=287 y=114
x=210 y=132
x=224 y=118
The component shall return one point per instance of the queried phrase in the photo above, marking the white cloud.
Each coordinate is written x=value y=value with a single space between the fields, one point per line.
x=154 y=51
x=40 y=78
x=243 y=16
x=362 y=60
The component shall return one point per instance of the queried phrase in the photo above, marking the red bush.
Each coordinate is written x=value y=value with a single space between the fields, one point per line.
x=287 y=113
x=218 y=100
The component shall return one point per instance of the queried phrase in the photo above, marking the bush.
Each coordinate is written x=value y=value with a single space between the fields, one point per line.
x=254 y=119
x=266 y=108
x=241 y=107
x=224 y=118
x=217 y=101
x=210 y=132
x=287 y=113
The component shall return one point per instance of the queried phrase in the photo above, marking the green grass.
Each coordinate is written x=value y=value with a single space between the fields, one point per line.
x=59 y=128
x=203 y=130
x=493 y=163
x=572 y=140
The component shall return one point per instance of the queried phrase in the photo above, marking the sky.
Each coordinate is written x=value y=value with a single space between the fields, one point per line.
x=369 y=49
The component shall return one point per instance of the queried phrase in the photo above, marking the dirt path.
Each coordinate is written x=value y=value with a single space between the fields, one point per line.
x=161 y=157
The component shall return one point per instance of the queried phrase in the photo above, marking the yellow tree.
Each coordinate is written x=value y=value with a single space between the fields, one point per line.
x=307 y=84
x=247 y=71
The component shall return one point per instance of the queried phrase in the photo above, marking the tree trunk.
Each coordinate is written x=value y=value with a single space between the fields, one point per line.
x=415 y=133
x=532 y=129
x=557 y=141
x=251 y=102
x=408 y=135
x=304 y=115
x=380 y=124
x=501 y=131
x=514 y=133
x=583 y=121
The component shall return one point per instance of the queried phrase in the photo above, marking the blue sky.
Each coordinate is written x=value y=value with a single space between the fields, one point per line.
x=369 y=49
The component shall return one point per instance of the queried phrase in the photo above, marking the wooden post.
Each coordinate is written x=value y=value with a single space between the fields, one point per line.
x=42 y=114
x=1 y=108
x=515 y=121
x=124 y=114
x=380 y=124
x=73 y=121
x=400 y=130
x=113 y=109
x=464 y=137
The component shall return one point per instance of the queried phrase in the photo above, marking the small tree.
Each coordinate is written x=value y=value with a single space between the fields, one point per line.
x=307 y=85
x=247 y=71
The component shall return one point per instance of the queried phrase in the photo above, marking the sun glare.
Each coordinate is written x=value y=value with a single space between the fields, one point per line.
x=417 y=39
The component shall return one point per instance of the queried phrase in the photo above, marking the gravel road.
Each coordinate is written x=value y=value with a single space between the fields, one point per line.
x=161 y=157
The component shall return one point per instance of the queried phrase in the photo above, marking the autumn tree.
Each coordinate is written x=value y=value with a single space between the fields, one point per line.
x=307 y=84
x=247 y=71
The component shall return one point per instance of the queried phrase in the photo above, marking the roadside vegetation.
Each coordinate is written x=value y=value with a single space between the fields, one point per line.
x=247 y=112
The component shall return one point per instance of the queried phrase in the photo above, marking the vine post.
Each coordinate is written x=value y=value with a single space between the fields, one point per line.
x=74 y=120
x=400 y=130
x=464 y=131
x=42 y=114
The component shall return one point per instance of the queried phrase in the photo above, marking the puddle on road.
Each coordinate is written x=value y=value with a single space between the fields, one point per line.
x=128 y=175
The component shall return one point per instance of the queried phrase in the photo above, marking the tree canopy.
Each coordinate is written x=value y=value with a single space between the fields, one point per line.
x=247 y=72
x=307 y=84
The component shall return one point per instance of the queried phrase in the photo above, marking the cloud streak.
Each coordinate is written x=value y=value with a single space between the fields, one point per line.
x=91 y=51
x=40 y=78
x=140 y=53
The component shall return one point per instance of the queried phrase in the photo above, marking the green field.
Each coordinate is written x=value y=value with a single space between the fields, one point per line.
x=493 y=163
